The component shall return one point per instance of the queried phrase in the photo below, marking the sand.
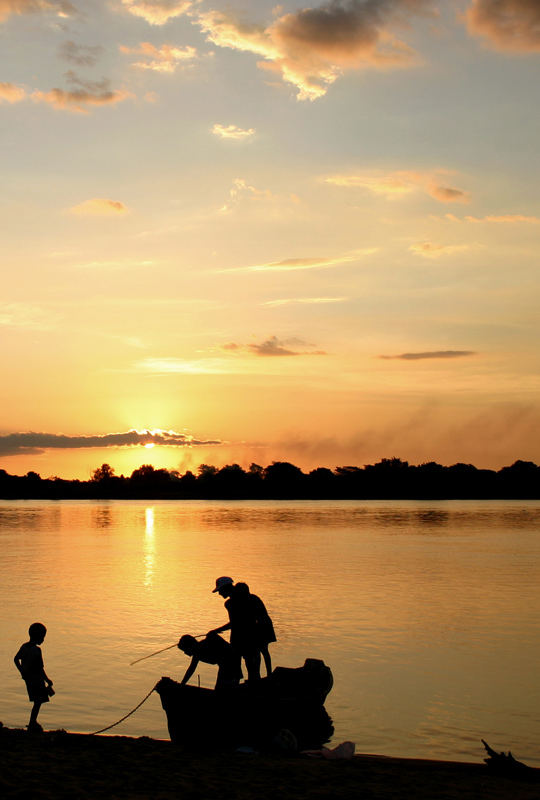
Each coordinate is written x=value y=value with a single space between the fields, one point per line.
x=57 y=765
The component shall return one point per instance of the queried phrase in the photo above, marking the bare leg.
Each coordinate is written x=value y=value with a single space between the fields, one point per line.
x=253 y=665
x=267 y=659
x=33 y=724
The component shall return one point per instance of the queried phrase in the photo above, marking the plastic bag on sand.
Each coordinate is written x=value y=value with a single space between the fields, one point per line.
x=343 y=750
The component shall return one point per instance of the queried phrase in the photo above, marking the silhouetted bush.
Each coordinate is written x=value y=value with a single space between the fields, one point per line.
x=390 y=478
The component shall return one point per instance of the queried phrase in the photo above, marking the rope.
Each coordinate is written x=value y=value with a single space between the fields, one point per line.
x=125 y=717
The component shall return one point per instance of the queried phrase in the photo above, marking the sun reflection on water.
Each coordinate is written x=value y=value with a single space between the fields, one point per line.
x=149 y=547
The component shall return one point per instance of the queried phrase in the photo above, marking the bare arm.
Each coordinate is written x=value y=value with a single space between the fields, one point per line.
x=190 y=670
x=17 y=661
x=226 y=627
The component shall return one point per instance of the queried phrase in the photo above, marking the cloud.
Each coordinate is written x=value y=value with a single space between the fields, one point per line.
x=504 y=219
x=276 y=347
x=431 y=354
x=312 y=47
x=24 y=315
x=432 y=250
x=402 y=182
x=232 y=132
x=160 y=59
x=99 y=206
x=126 y=264
x=241 y=194
x=447 y=194
x=12 y=444
x=79 y=100
x=172 y=366
x=304 y=300
x=10 y=93
x=79 y=54
x=61 y=8
x=157 y=12
x=292 y=264
x=511 y=25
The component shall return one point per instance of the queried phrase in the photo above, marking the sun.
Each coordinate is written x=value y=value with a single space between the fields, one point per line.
x=149 y=445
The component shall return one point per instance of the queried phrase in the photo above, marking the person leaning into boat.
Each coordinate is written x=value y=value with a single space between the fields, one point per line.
x=212 y=650
x=243 y=624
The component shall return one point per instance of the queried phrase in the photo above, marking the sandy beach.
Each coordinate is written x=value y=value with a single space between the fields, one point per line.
x=57 y=765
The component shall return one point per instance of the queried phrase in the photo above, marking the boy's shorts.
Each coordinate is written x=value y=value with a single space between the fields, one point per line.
x=37 y=691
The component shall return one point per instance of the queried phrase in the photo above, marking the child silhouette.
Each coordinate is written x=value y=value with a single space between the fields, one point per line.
x=29 y=662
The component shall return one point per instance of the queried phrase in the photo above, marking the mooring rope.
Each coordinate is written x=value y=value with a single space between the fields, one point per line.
x=133 y=710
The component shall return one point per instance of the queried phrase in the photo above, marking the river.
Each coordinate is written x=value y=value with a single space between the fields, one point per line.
x=427 y=612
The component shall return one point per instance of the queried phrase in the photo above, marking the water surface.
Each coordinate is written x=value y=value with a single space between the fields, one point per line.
x=427 y=612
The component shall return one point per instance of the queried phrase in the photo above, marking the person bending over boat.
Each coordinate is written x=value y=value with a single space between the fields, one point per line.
x=212 y=650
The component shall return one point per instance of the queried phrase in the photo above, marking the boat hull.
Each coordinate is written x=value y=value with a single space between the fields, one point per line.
x=285 y=710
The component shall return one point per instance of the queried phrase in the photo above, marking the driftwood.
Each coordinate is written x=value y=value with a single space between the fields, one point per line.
x=505 y=765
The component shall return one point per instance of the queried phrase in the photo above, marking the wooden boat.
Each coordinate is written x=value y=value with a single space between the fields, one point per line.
x=285 y=710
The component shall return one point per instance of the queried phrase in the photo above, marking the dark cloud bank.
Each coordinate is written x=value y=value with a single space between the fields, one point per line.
x=12 y=444
x=432 y=354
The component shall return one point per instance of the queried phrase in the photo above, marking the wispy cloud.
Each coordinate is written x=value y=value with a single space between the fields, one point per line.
x=9 y=93
x=12 y=444
x=283 y=347
x=431 y=354
x=160 y=59
x=511 y=25
x=24 y=315
x=304 y=301
x=124 y=264
x=181 y=366
x=79 y=54
x=402 y=182
x=312 y=47
x=158 y=12
x=79 y=100
x=433 y=250
x=276 y=347
x=243 y=195
x=504 y=219
x=232 y=132
x=293 y=264
x=99 y=206
x=61 y=8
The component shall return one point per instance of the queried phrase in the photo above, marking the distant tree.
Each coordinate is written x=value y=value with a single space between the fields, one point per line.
x=206 y=471
x=149 y=474
x=32 y=476
x=103 y=473
x=283 y=479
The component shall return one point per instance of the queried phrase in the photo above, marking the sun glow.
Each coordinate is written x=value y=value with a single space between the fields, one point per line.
x=149 y=445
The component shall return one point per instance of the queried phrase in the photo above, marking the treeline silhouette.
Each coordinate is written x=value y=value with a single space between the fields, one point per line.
x=390 y=478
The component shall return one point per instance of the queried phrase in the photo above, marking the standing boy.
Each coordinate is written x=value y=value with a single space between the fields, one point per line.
x=29 y=662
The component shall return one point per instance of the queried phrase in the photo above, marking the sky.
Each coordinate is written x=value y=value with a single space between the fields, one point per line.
x=247 y=232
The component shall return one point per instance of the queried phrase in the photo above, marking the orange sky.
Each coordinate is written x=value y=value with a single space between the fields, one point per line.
x=295 y=233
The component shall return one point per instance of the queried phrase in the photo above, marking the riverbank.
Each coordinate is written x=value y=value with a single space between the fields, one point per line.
x=59 y=765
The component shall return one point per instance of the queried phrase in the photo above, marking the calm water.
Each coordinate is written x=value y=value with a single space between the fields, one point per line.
x=428 y=613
